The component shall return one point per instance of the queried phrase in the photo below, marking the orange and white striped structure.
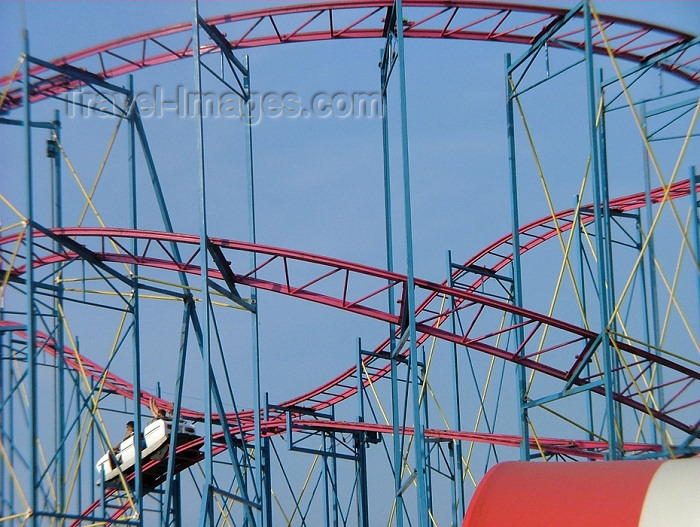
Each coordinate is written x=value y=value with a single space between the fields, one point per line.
x=655 y=493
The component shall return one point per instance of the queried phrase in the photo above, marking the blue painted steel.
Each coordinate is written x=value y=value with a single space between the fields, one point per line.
x=600 y=241
x=651 y=261
x=360 y=447
x=582 y=292
x=458 y=496
x=135 y=330
x=172 y=486
x=410 y=308
x=521 y=378
x=206 y=516
x=203 y=332
x=654 y=60
x=546 y=36
x=57 y=213
x=29 y=277
x=386 y=65
x=694 y=180
x=565 y=393
x=262 y=516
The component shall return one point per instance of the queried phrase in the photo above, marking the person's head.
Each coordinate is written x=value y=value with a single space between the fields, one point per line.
x=130 y=426
x=161 y=413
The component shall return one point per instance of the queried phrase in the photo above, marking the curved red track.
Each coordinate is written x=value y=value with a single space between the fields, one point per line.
x=356 y=288
x=334 y=279
x=460 y=19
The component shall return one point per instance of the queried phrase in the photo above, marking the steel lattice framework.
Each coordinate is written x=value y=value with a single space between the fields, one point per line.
x=598 y=372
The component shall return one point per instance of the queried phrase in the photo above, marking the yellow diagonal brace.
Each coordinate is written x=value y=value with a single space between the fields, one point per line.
x=13 y=475
x=537 y=440
x=374 y=392
x=7 y=274
x=664 y=438
x=640 y=128
x=26 y=515
x=547 y=194
x=95 y=398
x=655 y=222
x=13 y=208
x=12 y=77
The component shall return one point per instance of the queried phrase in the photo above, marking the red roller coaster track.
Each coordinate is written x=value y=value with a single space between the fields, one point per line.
x=242 y=423
x=631 y=40
x=333 y=281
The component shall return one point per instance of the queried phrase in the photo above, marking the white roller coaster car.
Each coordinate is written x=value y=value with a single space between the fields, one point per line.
x=154 y=445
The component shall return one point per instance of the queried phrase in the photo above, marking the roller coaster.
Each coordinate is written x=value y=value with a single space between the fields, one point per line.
x=571 y=338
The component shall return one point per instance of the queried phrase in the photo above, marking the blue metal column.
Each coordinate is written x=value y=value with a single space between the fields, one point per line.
x=360 y=446
x=267 y=483
x=172 y=481
x=6 y=494
x=652 y=292
x=609 y=257
x=581 y=273
x=694 y=180
x=410 y=308
x=136 y=338
x=31 y=328
x=54 y=153
x=600 y=241
x=261 y=513
x=458 y=497
x=3 y=427
x=517 y=274
x=385 y=72
x=206 y=516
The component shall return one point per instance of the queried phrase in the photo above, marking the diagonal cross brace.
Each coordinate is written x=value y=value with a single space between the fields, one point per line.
x=94 y=260
x=229 y=277
x=222 y=42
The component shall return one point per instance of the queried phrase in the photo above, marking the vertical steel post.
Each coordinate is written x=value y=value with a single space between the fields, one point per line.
x=58 y=321
x=267 y=482
x=172 y=481
x=385 y=65
x=609 y=258
x=360 y=446
x=93 y=458
x=694 y=180
x=136 y=337
x=521 y=378
x=605 y=191
x=31 y=328
x=260 y=516
x=578 y=225
x=600 y=240
x=161 y=496
x=206 y=516
x=326 y=486
x=4 y=405
x=458 y=497
x=410 y=308
x=652 y=292
x=419 y=437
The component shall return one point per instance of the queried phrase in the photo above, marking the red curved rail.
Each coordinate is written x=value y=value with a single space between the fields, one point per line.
x=276 y=424
x=543 y=229
x=334 y=284
x=493 y=258
x=243 y=423
x=459 y=19
x=187 y=454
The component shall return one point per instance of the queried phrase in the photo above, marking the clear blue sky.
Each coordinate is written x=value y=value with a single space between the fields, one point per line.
x=319 y=181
